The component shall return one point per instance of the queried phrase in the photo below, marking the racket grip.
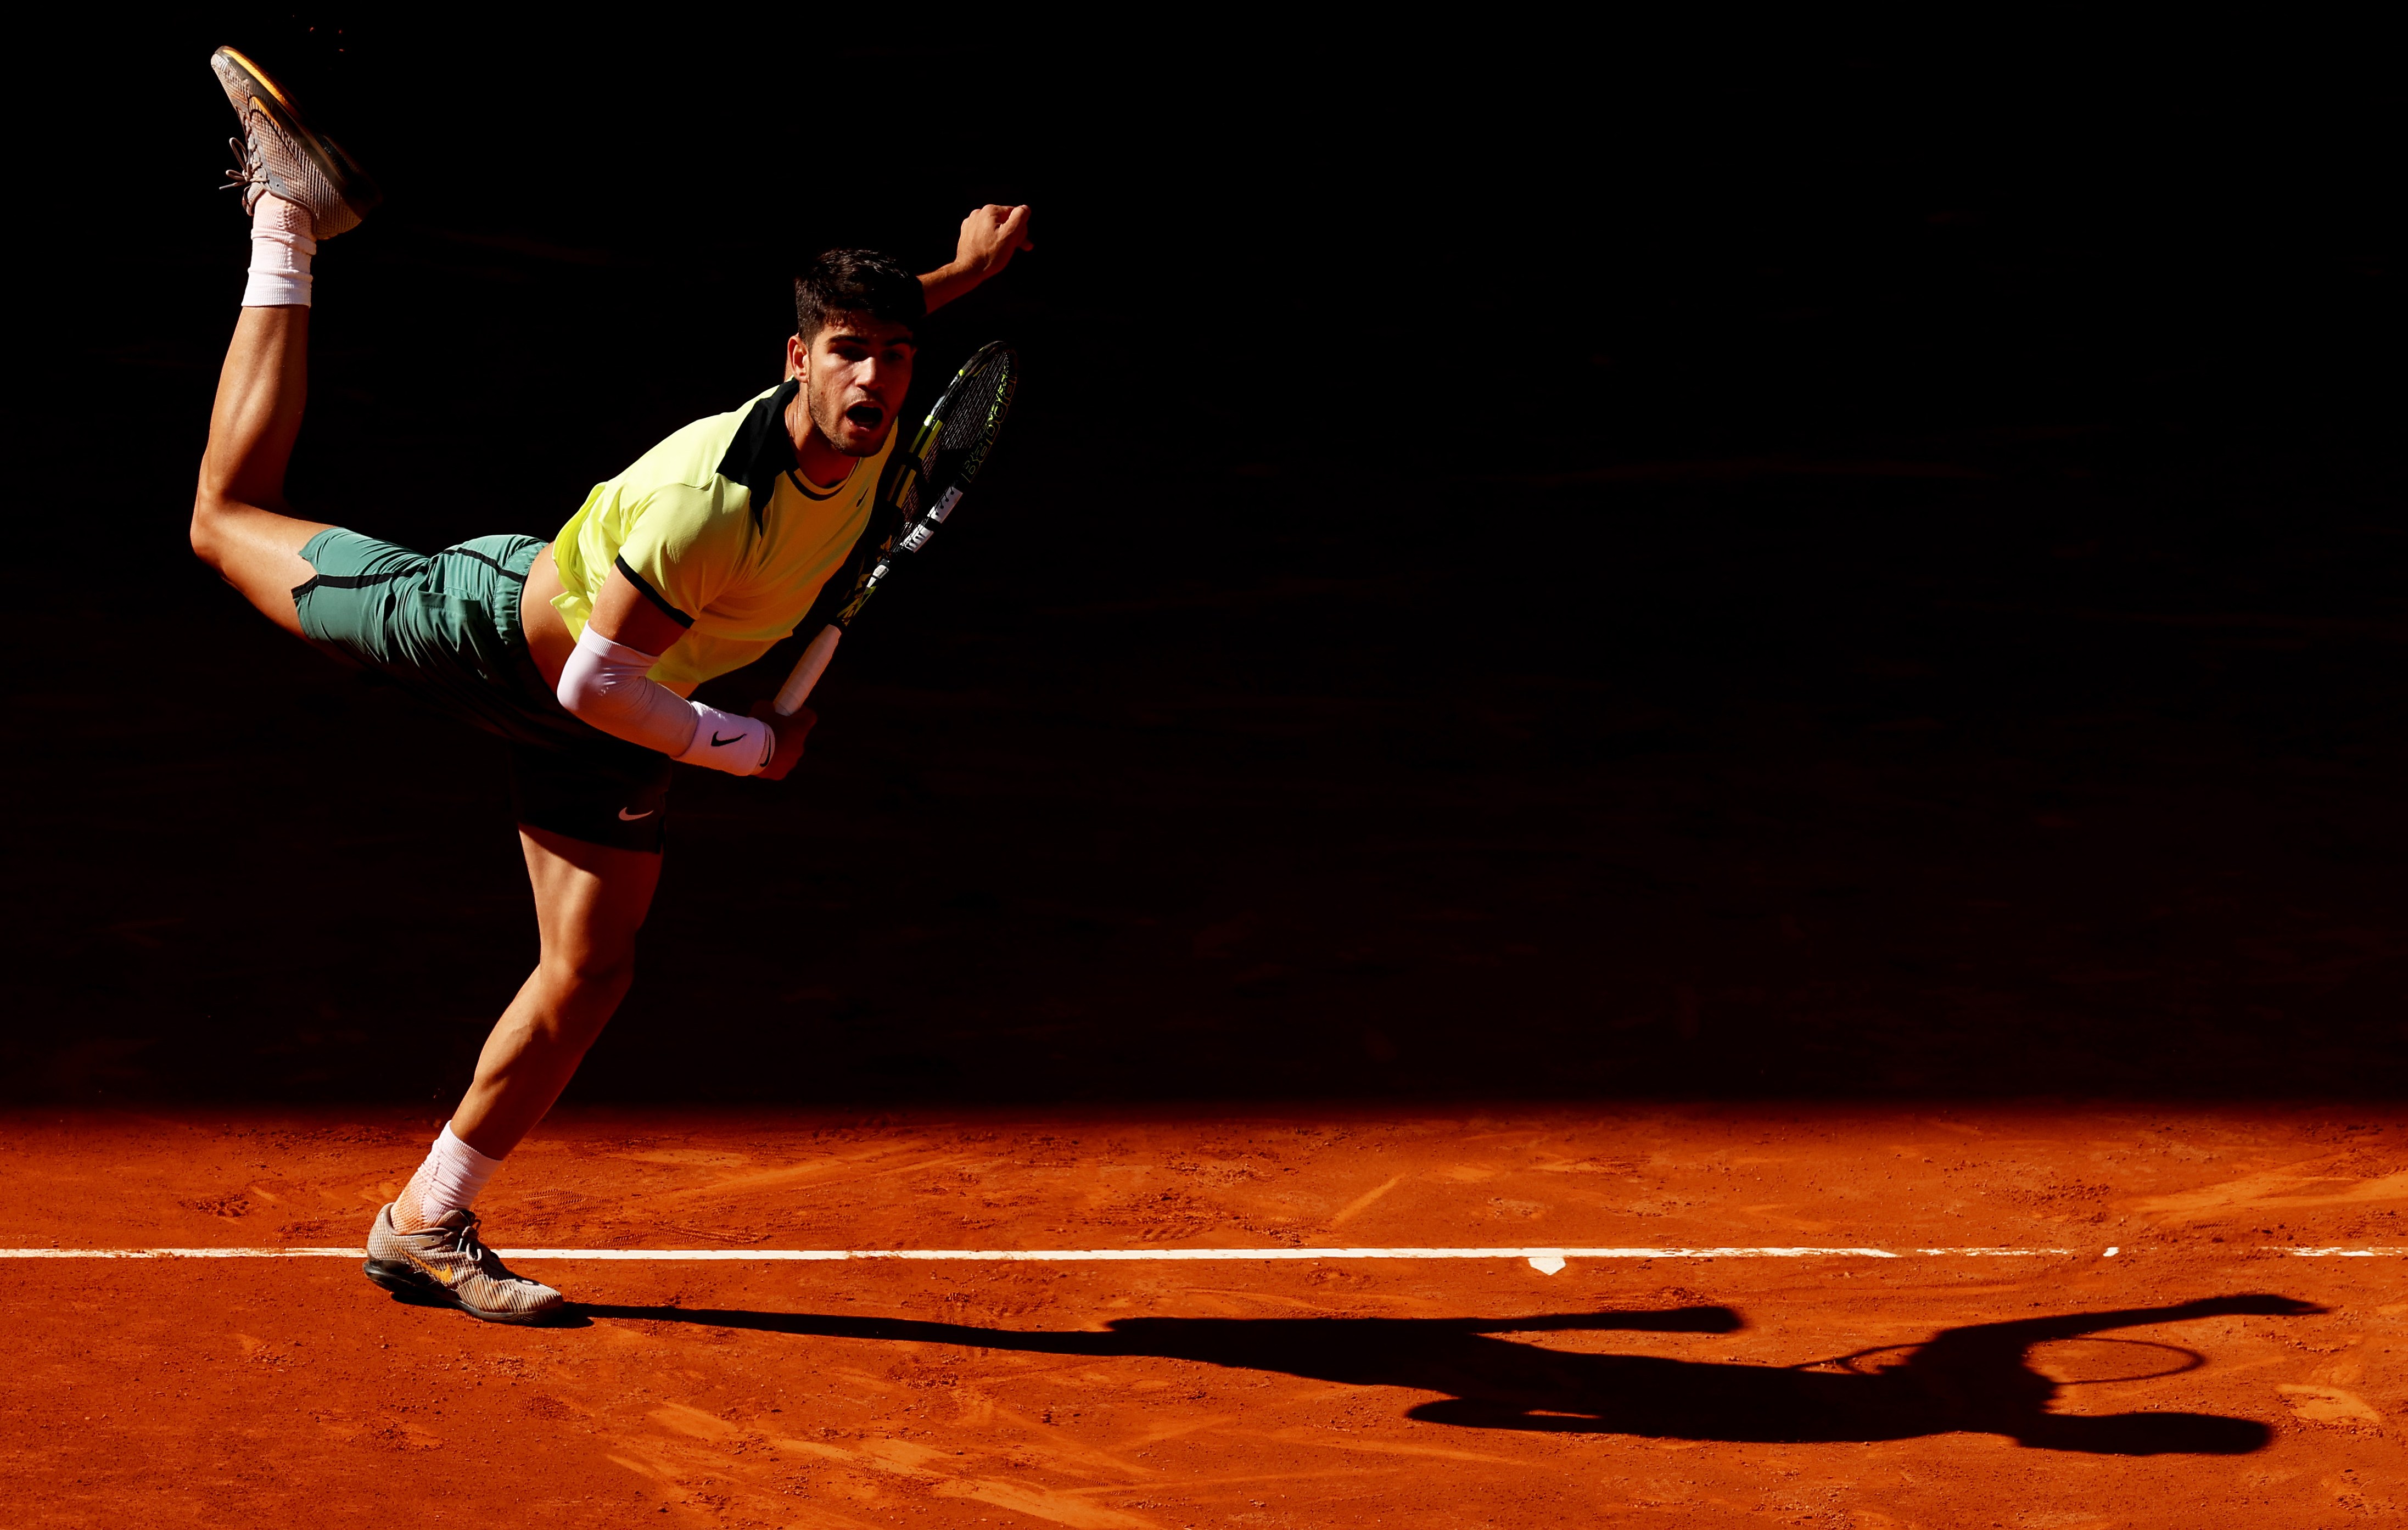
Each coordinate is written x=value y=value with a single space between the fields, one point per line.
x=807 y=670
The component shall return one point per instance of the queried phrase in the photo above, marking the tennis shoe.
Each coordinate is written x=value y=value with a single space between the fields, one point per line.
x=278 y=155
x=449 y=1265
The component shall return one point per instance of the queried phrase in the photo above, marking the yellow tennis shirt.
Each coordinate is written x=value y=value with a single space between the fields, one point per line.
x=721 y=531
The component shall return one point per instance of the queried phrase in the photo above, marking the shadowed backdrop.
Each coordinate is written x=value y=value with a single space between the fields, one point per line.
x=1543 y=565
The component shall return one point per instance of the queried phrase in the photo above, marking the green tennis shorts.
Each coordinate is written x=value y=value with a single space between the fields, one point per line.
x=446 y=629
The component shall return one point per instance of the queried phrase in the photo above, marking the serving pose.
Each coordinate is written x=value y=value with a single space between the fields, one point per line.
x=581 y=651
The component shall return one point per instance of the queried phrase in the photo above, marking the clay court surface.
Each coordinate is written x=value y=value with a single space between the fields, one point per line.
x=2219 y=1379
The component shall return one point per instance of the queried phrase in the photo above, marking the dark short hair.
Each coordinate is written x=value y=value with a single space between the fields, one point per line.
x=856 y=281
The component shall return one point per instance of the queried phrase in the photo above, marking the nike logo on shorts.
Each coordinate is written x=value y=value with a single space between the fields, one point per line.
x=633 y=817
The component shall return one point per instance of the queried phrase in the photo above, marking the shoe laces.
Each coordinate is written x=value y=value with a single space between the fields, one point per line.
x=248 y=170
x=468 y=1245
x=465 y=1242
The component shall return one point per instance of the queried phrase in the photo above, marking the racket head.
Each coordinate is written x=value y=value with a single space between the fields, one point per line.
x=959 y=432
x=951 y=448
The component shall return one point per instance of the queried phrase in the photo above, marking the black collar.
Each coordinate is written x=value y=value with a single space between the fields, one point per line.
x=762 y=449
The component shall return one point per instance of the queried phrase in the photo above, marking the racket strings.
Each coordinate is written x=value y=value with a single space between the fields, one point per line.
x=954 y=442
x=977 y=414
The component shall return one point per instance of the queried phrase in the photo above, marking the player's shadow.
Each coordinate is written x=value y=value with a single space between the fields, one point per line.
x=1974 y=1379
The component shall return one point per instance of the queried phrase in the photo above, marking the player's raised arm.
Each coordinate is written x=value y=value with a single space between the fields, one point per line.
x=991 y=235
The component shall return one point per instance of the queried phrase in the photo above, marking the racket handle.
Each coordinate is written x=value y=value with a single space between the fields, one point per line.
x=807 y=670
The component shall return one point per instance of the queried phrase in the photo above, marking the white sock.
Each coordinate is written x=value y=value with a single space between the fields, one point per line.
x=446 y=1181
x=280 y=248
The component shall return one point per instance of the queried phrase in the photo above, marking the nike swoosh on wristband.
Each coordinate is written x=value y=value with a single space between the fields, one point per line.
x=632 y=817
x=717 y=742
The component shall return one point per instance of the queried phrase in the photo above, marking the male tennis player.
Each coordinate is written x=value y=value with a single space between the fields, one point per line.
x=581 y=652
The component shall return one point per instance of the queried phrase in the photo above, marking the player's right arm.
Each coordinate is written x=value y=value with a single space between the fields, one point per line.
x=606 y=682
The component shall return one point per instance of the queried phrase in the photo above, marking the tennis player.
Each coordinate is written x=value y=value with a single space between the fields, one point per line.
x=581 y=651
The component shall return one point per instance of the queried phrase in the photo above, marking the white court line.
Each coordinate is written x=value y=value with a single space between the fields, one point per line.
x=1051 y=1256
x=183 y=1253
x=1055 y=1255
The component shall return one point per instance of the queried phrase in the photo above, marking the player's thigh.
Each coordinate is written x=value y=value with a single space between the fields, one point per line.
x=589 y=899
x=259 y=552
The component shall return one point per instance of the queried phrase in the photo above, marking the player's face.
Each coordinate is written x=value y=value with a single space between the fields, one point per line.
x=855 y=374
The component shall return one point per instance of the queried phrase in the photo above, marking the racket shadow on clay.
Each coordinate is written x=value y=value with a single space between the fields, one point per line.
x=1976 y=1379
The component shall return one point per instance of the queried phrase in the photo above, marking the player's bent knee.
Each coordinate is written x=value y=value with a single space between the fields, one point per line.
x=216 y=530
x=208 y=529
x=594 y=977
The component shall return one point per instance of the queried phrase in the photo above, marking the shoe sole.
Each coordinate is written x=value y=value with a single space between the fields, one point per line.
x=334 y=162
x=415 y=1286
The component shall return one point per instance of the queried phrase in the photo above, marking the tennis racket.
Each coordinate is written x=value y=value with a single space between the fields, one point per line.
x=926 y=487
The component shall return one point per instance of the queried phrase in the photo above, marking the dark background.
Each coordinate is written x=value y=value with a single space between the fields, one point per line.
x=1582 y=564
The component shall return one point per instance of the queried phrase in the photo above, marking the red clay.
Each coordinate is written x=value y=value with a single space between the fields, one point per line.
x=1688 y=1392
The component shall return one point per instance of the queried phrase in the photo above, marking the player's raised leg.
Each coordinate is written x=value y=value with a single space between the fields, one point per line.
x=241 y=525
x=299 y=188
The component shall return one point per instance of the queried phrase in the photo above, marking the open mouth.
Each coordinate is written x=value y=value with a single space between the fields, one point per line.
x=867 y=416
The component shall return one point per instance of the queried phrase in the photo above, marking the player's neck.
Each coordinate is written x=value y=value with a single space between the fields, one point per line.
x=820 y=464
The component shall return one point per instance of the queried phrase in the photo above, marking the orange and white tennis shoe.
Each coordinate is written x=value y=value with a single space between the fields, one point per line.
x=448 y=1265
x=278 y=155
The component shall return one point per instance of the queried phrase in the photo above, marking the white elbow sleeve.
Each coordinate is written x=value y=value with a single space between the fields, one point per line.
x=608 y=685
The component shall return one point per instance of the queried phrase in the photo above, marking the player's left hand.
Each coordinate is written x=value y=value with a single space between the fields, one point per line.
x=991 y=235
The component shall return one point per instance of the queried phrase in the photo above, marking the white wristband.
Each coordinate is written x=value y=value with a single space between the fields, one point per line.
x=741 y=746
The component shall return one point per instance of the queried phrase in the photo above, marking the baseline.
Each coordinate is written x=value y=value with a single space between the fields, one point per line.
x=1067 y=1255
x=1539 y=1257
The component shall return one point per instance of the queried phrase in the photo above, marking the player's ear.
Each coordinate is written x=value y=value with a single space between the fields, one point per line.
x=799 y=358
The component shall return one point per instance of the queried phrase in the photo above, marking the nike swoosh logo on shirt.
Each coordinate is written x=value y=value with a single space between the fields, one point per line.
x=632 y=817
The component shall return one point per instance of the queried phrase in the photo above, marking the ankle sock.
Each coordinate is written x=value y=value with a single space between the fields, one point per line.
x=448 y=1181
x=280 y=248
